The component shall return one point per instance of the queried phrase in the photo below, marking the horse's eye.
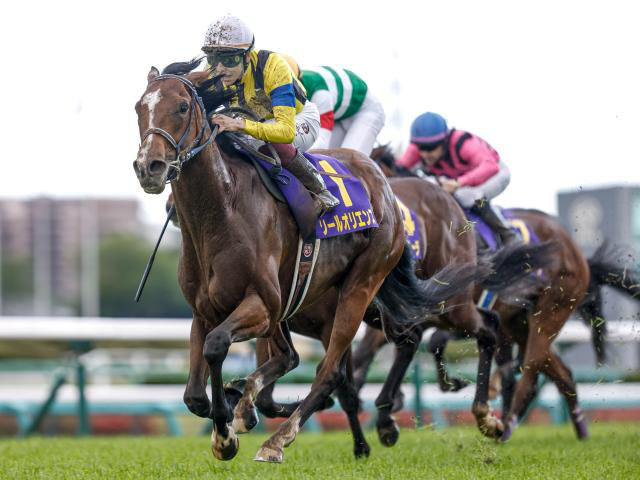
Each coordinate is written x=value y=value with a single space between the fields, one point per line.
x=184 y=107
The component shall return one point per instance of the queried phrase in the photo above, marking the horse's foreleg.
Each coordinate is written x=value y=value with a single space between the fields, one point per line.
x=195 y=394
x=489 y=425
x=283 y=358
x=249 y=320
x=536 y=355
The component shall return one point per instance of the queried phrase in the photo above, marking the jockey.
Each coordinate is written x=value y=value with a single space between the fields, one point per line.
x=350 y=115
x=467 y=167
x=264 y=85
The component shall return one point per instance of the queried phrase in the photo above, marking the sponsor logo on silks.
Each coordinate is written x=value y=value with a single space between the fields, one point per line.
x=307 y=249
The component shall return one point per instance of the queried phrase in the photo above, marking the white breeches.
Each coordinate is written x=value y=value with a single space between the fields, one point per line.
x=466 y=196
x=360 y=131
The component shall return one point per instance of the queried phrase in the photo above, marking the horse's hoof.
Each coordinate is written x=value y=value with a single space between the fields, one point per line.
x=362 y=451
x=246 y=421
x=582 y=430
x=389 y=434
x=509 y=427
x=224 y=448
x=506 y=435
x=491 y=427
x=199 y=406
x=268 y=454
x=233 y=392
x=458 y=384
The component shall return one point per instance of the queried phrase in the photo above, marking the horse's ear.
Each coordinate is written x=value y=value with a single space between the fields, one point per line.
x=153 y=73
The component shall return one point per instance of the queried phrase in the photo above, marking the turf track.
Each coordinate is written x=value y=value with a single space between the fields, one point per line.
x=544 y=452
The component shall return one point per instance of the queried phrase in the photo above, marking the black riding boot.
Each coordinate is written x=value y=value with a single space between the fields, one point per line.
x=484 y=210
x=313 y=181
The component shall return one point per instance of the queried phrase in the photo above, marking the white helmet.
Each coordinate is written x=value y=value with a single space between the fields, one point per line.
x=228 y=32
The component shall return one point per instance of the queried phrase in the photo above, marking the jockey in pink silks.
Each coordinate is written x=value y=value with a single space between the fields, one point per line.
x=465 y=166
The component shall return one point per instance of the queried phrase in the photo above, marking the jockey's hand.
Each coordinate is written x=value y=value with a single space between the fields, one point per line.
x=228 y=124
x=449 y=185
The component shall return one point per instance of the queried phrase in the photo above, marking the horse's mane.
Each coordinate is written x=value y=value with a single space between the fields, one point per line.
x=208 y=86
x=384 y=155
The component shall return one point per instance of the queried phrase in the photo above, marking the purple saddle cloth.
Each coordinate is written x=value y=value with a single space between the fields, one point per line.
x=490 y=238
x=354 y=212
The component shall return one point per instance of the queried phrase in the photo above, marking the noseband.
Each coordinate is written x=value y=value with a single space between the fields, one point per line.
x=183 y=155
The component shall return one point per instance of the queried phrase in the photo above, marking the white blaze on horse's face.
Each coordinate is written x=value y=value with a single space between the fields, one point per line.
x=149 y=170
x=150 y=100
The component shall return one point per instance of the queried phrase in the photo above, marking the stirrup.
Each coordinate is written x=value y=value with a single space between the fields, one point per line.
x=327 y=201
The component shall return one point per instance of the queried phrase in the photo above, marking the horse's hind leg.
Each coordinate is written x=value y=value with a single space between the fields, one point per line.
x=348 y=397
x=283 y=358
x=537 y=355
x=268 y=407
x=503 y=381
x=364 y=353
x=557 y=371
x=358 y=289
x=437 y=344
x=405 y=350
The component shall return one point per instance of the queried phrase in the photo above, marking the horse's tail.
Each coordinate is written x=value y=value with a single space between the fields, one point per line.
x=408 y=300
x=514 y=267
x=605 y=269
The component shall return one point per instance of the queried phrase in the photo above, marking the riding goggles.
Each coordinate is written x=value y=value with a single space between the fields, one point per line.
x=428 y=147
x=228 y=59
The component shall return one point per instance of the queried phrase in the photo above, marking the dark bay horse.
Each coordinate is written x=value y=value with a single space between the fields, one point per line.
x=450 y=241
x=533 y=325
x=238 y=255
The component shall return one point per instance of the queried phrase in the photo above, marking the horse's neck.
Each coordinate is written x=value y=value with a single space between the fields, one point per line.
x=204 y=194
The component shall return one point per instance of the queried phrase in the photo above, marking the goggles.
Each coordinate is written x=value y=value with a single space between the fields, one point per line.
x=428 y=147
x=228 y=59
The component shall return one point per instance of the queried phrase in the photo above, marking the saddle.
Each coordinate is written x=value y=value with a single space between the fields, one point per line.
x=354 y=213
x=487 y=239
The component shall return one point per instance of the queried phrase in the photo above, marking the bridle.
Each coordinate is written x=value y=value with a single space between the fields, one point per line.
x=183 y=155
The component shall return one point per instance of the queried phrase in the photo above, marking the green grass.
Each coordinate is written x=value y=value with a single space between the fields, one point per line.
x=544 y=452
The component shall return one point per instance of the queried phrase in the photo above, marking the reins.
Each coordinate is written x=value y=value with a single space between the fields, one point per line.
x=183 y=156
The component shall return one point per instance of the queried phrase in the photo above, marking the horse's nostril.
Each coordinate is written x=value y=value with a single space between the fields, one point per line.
x=157 y=167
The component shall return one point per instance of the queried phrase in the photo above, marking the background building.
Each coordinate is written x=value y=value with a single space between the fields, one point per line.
x=53 y=245
x=612 y=215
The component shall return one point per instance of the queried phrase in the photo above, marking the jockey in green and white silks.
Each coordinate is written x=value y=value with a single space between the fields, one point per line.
x=350 y=115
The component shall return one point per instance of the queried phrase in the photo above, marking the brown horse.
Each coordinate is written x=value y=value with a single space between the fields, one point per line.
x=449 y=242
x=532 y=325
x=238 y=255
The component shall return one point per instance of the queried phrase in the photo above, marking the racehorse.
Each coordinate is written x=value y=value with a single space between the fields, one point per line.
x=604 y=267
x=449 y=242
x=532 y=325
x=238 y=254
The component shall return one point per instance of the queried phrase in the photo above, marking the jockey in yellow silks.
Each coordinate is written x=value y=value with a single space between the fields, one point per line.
x=265 y=85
